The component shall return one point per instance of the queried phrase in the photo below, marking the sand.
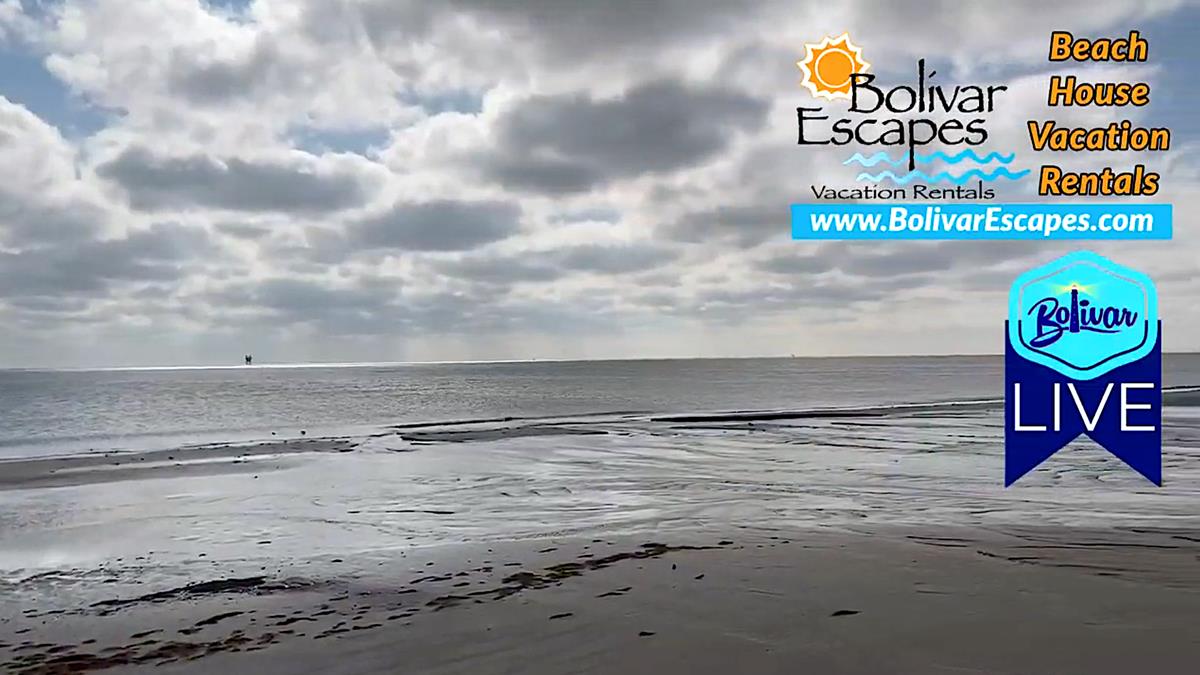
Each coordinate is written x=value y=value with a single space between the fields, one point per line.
x=107 y=467
x=612 y=546
x=756 y=601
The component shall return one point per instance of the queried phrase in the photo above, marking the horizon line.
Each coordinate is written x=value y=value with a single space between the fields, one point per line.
x=367 y=364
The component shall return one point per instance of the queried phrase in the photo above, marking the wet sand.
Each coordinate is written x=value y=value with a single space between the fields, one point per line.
x=615 y=545
x=200 y=460
x=1040 y=601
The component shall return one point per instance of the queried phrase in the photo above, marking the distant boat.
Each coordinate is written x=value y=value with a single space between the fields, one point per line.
x=249 y=359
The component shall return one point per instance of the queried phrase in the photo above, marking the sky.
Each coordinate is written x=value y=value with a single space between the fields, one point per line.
x=183 y=182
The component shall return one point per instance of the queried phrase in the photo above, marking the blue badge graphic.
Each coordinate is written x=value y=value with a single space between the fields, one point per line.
x=1083 y=356
x=1083 y=315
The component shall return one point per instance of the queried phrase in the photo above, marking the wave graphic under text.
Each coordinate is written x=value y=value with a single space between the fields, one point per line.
x=944 y=176
x=935 y=156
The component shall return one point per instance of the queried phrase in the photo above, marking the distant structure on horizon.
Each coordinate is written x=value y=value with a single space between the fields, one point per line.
x=249 y=359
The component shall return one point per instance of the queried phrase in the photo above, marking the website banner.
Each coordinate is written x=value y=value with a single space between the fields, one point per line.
x=1045 y=221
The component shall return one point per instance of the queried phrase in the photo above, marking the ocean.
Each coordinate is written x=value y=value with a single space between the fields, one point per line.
x=46 y=412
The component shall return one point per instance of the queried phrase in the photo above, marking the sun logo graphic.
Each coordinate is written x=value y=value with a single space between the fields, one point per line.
x=829 y=64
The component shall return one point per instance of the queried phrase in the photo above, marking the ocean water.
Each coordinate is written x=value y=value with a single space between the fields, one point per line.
x=64 y=412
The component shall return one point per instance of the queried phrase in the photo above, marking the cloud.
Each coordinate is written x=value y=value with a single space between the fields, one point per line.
x=215 y=78
x=551 y=264
x=541 y=174
x=749 y=224
x=243 y=230
x=816 y=262
x=307 y=298
x=159 y=253
x=503 y=270
x=590 y=30
x=42 y=199
x=367 y=178
x=438 y=225
x=384 y=306
x=13 y=22
x=199 y=68
x=574 y=142
x=27 y=220
x=818 y=301
x=624 y=259
x=978 y=36
x=299 y=183
x=891 y=261
x=598 y=214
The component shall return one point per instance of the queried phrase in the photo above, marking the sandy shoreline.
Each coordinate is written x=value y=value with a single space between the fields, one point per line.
x=615 y=545
x=42 y=472
x=1049 y=601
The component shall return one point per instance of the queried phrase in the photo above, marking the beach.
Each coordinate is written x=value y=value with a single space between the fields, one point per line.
x=535 y=337
x=795 y=600
x=844 y=537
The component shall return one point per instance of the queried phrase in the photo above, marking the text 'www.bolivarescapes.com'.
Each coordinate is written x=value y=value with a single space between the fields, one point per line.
x=981 y=221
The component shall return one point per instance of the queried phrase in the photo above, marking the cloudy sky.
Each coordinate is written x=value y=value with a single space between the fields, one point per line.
x=184 y=181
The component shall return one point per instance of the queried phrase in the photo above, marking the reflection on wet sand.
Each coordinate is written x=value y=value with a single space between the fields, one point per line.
x=620 y=542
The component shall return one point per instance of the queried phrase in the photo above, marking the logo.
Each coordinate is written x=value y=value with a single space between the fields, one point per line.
x=912 y=116
x=1083 y=356
x=1083 y=315
x=829 y=65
